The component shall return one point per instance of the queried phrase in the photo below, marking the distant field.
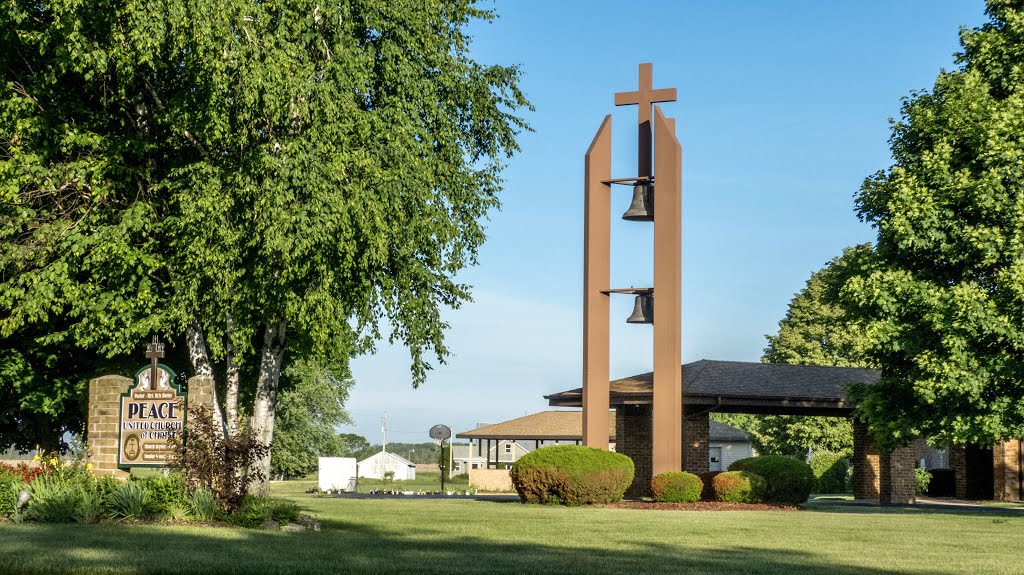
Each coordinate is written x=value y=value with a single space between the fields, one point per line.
x=406 y=535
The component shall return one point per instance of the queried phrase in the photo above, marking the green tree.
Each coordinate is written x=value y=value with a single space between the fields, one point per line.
x=357 y=446
x=815 y=331
x=943 y=298
x=307 y=413
x=253 y=179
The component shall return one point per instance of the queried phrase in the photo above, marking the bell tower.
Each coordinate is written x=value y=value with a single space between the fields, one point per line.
x=657 y=198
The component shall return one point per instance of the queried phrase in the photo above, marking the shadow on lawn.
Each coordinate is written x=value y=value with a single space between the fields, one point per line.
x=850 y=507
x=347 y=547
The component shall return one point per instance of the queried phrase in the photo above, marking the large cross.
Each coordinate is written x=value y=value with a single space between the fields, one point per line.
x=154 y=351
x=644 y=98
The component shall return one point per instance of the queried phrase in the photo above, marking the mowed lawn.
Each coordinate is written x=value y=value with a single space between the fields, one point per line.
x=444 y=536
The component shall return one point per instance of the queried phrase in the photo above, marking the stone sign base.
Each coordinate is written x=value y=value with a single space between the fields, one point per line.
x=104 y=404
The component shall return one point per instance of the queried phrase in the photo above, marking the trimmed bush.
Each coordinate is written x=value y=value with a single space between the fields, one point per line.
x=739 y=487
x=789 y=480
x=831 y=470
x=708 y=479
x=676 y=487
x=572 y=475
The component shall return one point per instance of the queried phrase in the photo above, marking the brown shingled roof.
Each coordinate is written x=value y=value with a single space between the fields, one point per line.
x=564 y=425
x=568 y=426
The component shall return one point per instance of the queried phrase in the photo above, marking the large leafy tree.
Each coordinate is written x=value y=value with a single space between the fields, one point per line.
x=943 y=301
x=815 y=331
x=252 y=179
x=307 y=413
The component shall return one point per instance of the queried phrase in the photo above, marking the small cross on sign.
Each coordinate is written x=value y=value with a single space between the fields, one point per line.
x=154 y=351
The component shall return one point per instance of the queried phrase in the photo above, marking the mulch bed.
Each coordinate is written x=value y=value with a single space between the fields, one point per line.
x=701 y=506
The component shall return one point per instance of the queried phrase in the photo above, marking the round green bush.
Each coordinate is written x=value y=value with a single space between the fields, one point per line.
x=739 y=487
x=676 y=487
x=830 y=471
x=789 y=480
x=572 y=475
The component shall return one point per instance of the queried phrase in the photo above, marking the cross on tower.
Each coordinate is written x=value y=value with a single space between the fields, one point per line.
x=154 y=351
x=644 y=98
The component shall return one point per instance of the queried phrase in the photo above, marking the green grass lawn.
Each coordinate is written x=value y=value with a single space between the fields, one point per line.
x=425 y=481
x=438 y=536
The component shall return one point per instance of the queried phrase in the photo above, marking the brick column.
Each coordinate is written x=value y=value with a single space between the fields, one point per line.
x=897 y=483
x=1006 y=462
x=634 y=438
x=696 y=448
x=958 y=460
x=200 y=391
x=865 y=463
x=102 y=431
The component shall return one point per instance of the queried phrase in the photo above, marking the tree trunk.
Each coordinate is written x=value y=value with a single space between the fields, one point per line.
x=266 y=399
x=231 y=393
x=199 y=355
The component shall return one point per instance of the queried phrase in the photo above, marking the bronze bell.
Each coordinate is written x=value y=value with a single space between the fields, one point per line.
x=643 y=309
x=641 y=209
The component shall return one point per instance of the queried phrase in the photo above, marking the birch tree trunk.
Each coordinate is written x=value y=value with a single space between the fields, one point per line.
x=199 y=355
x=231 y=392
x=265 y=403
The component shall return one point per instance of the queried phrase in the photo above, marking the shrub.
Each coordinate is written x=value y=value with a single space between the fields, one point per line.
x=572 y=475
x=165 y=493
x=90 y=506
x=922 y=477
x=22 y=471
x=739 y=487
x=10 y=484
x=130 y=500
x=708 y=493
x=209 y=460
x=54 y=499
x=788 y=480
x=202 y=505
x=255 y=511
x=676 y=487
x=830 y=471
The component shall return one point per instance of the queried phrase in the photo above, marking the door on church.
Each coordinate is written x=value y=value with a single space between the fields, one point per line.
x=716 y=459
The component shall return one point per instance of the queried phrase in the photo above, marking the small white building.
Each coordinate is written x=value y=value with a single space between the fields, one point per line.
x=337 y=474
x=378 y=464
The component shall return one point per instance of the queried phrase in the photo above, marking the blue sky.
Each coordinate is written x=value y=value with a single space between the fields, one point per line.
x=783 y=111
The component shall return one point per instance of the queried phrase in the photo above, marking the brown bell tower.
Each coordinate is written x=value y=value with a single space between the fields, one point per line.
x=657 y=198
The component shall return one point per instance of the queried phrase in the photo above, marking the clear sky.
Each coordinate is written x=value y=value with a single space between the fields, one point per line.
x=783 y=111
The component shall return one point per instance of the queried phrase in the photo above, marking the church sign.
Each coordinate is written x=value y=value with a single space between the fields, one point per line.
x=152 y=413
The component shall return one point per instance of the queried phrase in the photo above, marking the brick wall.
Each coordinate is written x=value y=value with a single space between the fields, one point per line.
x=865 y=463
x=696 y=432
x=897 y=484
x=633 y=436
x=200 y=392
x=490 y=479
x=958 y=461
x=102 y=428
x=1006 y=459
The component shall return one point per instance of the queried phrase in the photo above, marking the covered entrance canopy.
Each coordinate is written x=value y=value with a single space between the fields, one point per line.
x=744 y=387
x=783 y=389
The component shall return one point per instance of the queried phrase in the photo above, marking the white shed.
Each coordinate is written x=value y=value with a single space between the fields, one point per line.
x=337 y=474
x=376 y=465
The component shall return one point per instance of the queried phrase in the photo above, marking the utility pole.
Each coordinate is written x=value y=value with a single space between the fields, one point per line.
x=384 y=430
